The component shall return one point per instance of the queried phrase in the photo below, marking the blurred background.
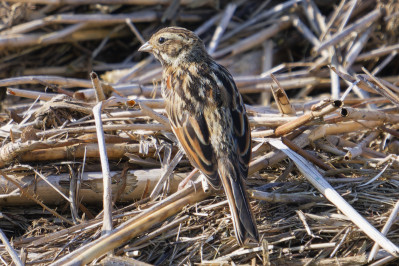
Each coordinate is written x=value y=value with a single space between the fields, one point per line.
x=71 y=38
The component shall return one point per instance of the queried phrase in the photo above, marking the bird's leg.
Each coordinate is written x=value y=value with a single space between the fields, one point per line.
x=184 y=182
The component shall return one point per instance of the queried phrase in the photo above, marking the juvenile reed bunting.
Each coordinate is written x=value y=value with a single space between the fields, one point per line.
x=208 y=116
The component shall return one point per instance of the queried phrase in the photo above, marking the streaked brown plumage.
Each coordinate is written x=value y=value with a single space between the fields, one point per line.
x=208 y=117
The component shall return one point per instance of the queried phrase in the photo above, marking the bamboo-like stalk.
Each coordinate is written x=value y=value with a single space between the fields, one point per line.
x=62 y=81
x=25 y=193
x=114 y=151
x=11 y=150
x=91 y=187
x=366 y=152
x=302 y=120
x=383 y=261
x=125 y=89
x=91 y=129
x=306 y=32
x=369 y=115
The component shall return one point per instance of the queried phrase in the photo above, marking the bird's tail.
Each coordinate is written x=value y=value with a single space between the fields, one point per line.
x=241 y=213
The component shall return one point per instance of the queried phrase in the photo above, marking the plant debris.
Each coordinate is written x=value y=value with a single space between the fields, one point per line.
x=319 y=78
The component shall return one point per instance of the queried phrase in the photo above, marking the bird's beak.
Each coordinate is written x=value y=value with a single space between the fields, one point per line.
x=147 y=47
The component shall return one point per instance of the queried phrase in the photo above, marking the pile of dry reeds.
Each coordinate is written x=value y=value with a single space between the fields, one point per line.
x=90 y=168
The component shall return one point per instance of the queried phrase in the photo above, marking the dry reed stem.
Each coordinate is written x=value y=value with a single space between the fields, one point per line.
x=382 y=89
x=317 y=180
x=100 y=96
x=302 y=120
x=104 y=36
x=104 y=2
x=370 y=115
x=17 y=261
x=159 y=231
x=62 y=81
x=356 y=26
x=255 y=39
x=281 y=98
x=27 y=194
x=114 y=151
x=107 y=193
x=283 y=198
x=306 y=155
x=358 y=149
x=230 y=8
x=378 y=52
x=12 y=150
x=166 y=174
x=31 y=94
x=91 y=129
x=385 y=229
x=133 y=227
x=154 y=115
x=344 y=127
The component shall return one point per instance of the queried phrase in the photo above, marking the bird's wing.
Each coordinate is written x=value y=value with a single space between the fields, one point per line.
x=242 y=134
x=241 y=129
x=193 y=134
x=233 y=169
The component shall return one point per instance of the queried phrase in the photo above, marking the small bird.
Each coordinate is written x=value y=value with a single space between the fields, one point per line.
x=208 y=117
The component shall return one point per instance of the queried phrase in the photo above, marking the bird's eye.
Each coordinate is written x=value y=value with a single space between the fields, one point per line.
x=161 y=40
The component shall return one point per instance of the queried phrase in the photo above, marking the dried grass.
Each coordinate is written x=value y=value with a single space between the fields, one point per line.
x=335 y=60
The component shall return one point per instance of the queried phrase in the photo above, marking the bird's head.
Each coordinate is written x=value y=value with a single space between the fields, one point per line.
x=174 y=45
